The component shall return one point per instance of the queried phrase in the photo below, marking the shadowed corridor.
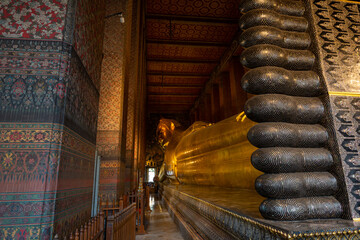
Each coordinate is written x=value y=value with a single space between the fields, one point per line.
x=161 y=226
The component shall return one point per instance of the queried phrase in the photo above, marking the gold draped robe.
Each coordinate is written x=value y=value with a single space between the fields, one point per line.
x=209 y=154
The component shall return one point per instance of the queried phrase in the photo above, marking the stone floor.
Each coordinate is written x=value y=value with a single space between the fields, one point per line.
x=161 y=225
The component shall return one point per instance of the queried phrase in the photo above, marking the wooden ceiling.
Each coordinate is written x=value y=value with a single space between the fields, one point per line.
x=185 y=41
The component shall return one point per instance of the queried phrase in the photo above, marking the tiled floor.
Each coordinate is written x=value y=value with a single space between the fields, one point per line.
x=161 y=226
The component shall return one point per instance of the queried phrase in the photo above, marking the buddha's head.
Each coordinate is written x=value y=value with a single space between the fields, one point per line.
x=165 y=130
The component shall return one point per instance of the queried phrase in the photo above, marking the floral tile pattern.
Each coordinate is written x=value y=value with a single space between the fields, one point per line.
x=32 y=19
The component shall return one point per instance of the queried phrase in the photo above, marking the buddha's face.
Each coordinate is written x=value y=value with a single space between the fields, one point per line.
x=164 y=131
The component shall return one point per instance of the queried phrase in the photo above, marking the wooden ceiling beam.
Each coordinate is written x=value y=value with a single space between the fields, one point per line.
x=175 y=85
x=192 y=18
x=176 y=96
x=186 y=76
x=158 y=105
x=168 y=111
x=197 y=46
x=166 y=107
x=167 y=103
x=178 y=74
x=180 y=60
x=176 y=106
x=189 y=43
x=150 y=93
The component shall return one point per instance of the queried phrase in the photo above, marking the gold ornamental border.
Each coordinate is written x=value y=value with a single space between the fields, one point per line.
x=349 y=1
x=348 y=94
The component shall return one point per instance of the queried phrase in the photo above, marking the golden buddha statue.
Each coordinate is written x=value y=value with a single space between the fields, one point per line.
x=208 y=154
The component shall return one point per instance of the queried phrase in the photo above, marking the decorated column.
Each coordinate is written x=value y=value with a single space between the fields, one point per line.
x=111 y=105
x=49 y=80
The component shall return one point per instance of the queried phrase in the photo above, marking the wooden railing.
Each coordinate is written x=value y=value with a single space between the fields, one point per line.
x=138 y=198
x=122 y=225
x=115 y=206
x=121 y=220
x=92 y=230
x=134 y=197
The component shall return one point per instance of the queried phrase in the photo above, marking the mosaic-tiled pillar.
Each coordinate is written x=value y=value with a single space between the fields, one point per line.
x=111 y=105
x=336 y=30
x=139 y=146
x=132 y=76
x=48 y=112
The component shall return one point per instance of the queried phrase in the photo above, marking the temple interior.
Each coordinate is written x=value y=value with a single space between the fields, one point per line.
x=179 y=119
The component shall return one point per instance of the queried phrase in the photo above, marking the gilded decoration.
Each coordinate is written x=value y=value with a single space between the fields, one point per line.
x=208 y=154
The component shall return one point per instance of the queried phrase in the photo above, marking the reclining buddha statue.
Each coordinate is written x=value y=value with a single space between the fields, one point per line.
x=220 y=154
x=294 y=141
x=208 y=154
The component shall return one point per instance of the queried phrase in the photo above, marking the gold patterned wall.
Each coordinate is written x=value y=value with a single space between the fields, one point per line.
x=111 y=103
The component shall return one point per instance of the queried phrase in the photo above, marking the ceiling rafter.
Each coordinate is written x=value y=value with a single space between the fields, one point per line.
x=169 y=103
x=189 y=43
x=178 y=74
x=185 y=43
x=180 y=60
x=194 y=19
x=175 y=96
x=176 y=86
x=174 y=21
x=169 y=110
x=189 y=101
x=174 y=44
x=150 y=93
x=182 y=85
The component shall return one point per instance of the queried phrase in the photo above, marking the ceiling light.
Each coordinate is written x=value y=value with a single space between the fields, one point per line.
x=120 y=14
